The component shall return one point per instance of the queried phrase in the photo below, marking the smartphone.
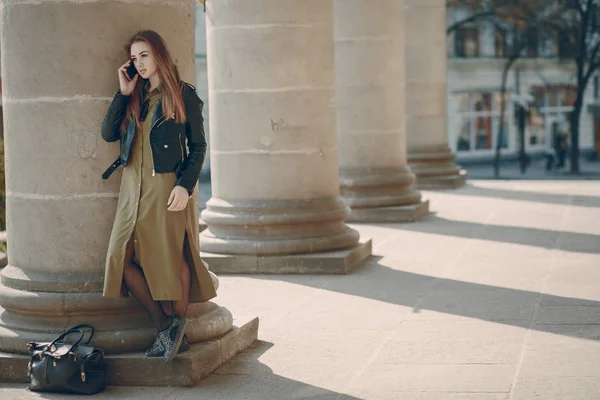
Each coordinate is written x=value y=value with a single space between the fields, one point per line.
x=131 y=71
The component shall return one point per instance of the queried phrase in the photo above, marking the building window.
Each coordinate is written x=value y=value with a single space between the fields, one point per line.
x=500 y=43
x=549 y=116
x=532 y=42
x=466 y=42
x=478 y=119
x=566 y=47
x=548 y=44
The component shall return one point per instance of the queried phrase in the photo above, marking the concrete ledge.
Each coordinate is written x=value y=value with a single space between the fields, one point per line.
x=410 y=213
x=135 y=369
x=442 y=182
x=333 y=262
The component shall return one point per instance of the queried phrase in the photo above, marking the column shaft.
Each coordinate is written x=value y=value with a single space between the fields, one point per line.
x=375 y=180
x=59 y=210
x=429 y=155
x=274 y=149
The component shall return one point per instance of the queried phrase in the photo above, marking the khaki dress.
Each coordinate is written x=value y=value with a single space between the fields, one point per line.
x=158 y=234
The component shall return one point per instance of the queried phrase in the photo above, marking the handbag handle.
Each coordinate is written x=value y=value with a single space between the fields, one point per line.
x=64 y=335
x=75 y=329
x=81 y=328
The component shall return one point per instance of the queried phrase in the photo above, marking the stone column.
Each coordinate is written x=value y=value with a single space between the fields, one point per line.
x=59 y=74
x=202 y=82
x=375 y=180
x=429 y=155
x=276 y=206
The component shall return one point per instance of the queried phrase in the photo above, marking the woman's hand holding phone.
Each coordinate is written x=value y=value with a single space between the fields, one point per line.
x=127 y=84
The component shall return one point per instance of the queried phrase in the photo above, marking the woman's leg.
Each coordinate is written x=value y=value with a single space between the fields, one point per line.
x=179 y=307
x=137 y=285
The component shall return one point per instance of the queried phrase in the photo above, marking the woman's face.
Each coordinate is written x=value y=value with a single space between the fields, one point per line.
x=143 y=59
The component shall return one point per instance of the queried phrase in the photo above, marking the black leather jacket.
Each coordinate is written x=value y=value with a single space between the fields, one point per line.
x=167 y=138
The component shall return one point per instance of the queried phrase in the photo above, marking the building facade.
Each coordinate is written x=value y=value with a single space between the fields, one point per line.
x=475 y=66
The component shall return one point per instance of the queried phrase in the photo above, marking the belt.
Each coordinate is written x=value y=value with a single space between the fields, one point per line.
x=111 y=169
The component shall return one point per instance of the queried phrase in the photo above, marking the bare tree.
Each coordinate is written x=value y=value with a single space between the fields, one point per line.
x=580 y=41
x=515 y=52
x=498 y=12
x=494 y=10
x=512 y=18
x=478 y=10
x=517 y=19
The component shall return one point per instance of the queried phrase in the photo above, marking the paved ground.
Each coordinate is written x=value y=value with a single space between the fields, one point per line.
x=494 y=296
x=535 y=171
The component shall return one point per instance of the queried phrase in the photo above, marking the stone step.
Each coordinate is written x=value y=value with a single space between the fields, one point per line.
x=135 y=369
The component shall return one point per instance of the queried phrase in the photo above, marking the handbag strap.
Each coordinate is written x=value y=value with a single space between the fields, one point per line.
x=112 y=168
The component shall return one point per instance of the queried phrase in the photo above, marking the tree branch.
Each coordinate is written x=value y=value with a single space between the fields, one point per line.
x=593 y=64
x=583 y=50
x=472 y=18
x=594 y=53
x=592 y=68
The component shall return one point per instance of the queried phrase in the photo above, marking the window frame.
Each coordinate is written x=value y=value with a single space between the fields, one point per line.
x=471 y=115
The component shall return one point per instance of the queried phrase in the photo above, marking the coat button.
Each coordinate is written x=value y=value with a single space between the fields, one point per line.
x=166 y=146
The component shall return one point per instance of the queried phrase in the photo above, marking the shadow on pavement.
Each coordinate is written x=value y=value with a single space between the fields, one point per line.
x=434 y=298
x=548 y=239
x=259 y=382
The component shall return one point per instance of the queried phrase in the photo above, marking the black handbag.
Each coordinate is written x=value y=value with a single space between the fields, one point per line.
x=61 y=367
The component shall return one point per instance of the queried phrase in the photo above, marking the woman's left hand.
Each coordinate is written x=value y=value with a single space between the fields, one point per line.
x=178 y=199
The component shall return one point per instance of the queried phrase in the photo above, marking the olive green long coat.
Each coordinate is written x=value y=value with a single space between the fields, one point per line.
x=158 y=234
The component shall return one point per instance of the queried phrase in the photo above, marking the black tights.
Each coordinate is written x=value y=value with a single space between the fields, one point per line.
x=160 y=312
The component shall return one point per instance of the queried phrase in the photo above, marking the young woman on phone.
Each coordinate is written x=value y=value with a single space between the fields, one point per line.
x=153 y=250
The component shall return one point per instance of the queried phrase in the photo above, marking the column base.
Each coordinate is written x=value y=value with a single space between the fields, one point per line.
x=135 y=369
x=453 y=181
x=121 y=324
x=276 y=228
x=410 y=213
x=201 y=225
x=378 y=187
x=435 y=169
x=332 y=262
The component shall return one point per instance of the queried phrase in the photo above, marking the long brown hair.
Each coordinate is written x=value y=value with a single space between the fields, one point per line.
x=171 y=84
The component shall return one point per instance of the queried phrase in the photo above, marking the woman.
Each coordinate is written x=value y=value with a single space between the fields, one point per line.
x=153 y=249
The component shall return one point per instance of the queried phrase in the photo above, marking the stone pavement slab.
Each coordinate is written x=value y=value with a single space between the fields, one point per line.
x=491 y=297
